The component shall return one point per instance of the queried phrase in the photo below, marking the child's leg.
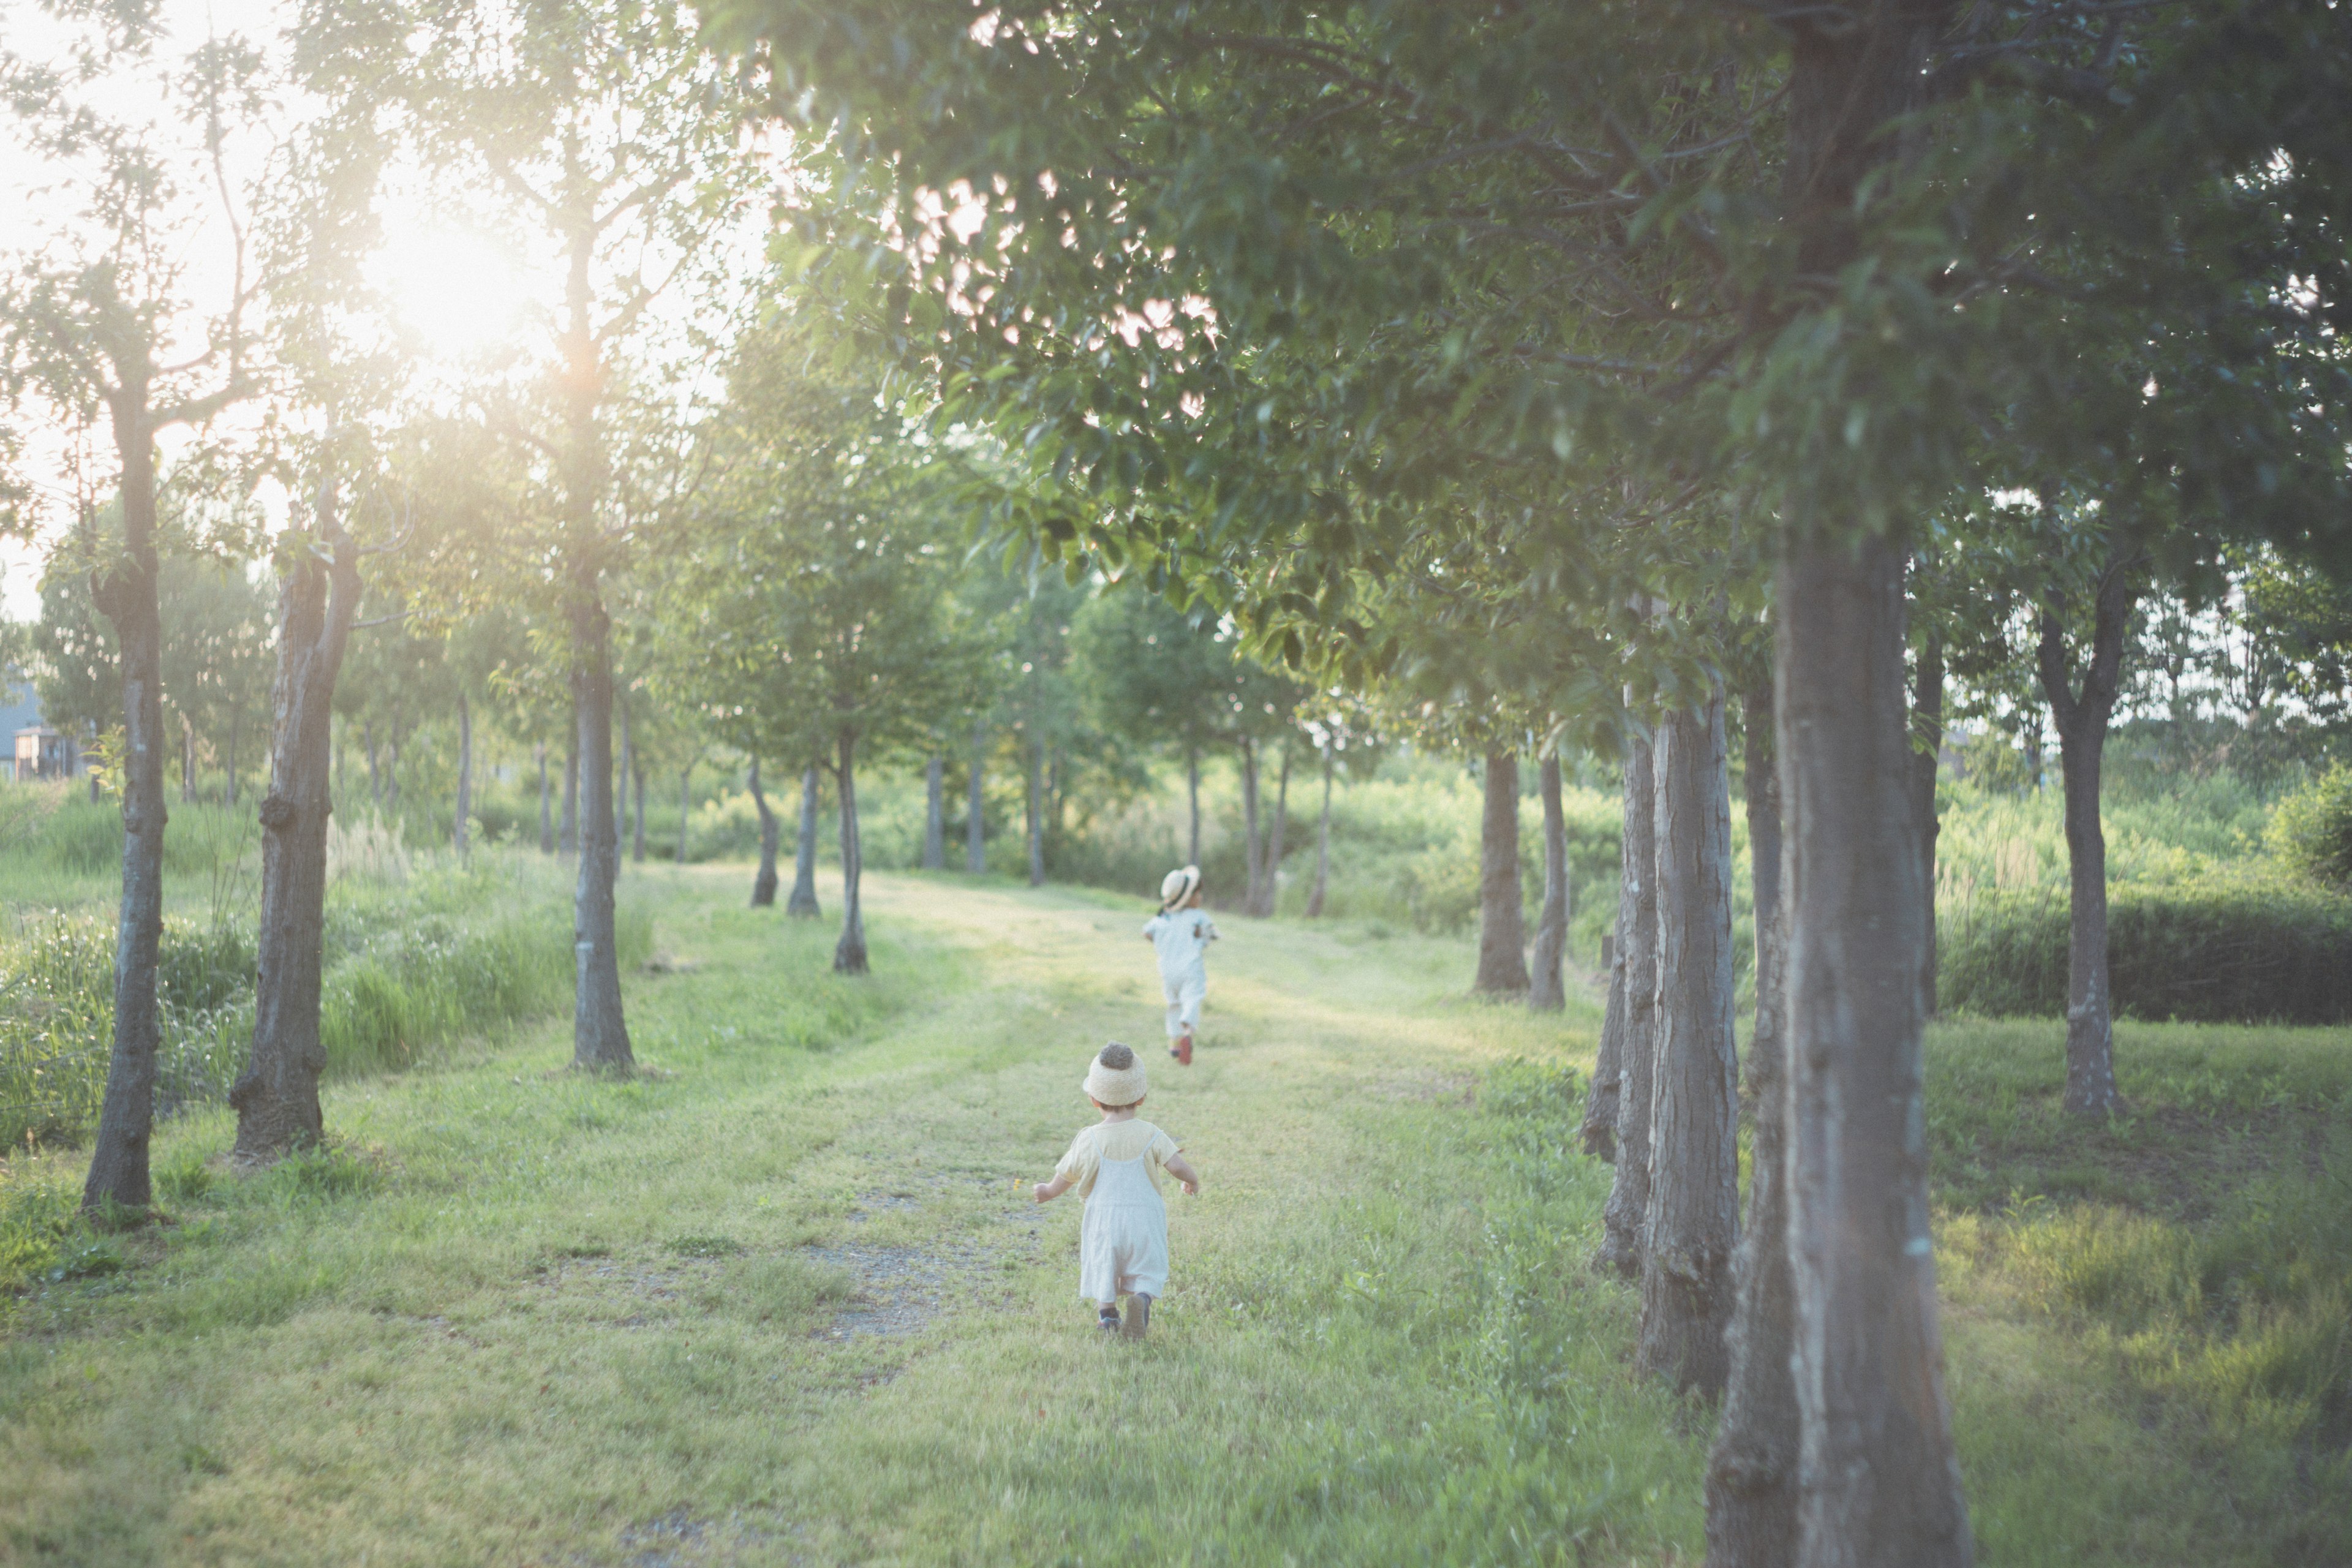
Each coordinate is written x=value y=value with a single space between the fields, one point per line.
x=1107 y=1317
x=1139 y=1315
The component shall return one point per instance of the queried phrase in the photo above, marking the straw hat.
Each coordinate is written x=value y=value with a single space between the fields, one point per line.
x=1177 y=886
x=1116 y=1078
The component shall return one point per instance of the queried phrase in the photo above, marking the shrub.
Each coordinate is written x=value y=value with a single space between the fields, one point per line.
x=2214 y=949
x=2312 y=829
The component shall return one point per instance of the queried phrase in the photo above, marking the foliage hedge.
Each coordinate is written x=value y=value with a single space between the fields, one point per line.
x=2243 y=950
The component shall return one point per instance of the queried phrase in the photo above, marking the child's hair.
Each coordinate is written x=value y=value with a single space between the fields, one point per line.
x=1116 y=1057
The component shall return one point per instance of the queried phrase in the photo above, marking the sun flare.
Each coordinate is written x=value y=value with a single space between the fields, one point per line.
x=456 y=290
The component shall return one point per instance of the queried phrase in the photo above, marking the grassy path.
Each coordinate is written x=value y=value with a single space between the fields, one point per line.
x=780 y=1302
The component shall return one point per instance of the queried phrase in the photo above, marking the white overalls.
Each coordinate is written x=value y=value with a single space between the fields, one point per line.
x=1123 y=1239
x=1181 y=938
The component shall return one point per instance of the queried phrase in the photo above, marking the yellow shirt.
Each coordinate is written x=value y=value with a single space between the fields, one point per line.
x=1116 y=1140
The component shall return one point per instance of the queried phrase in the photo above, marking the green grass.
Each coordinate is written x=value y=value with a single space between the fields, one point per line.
x=517 y=1315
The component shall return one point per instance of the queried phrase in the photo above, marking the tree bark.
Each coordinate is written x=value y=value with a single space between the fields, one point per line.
x=1880 y=1478
x=849 y=953
x=1927 y=729
x=187 y=761
x=1036 y=813
x=763 y=882
x=1546 y=992
x=546 y=821
x=1192 y=794
x=935 y=815
x=621 y=779
x=457 y=835
x=126 y=597
x=1251 y=868
x=599 y=1031
x=1692 y=1218
x=802 y=904
x=567 y=831
x=1622 y=1217
x=1502 y=914
x=1322 y=846
x=975 y=822
x=685 y=804
x=637 y=850
x=1751 y=1473
x=2081 y=723
x=277 y=1096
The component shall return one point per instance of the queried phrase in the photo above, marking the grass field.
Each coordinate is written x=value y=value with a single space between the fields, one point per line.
x=780 y=1300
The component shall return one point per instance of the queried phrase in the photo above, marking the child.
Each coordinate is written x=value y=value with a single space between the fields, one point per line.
x=1116 y=1166
x=1182 y=934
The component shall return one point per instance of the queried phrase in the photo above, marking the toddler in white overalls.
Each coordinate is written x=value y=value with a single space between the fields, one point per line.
x=1116 y=1166
x=1181 y=934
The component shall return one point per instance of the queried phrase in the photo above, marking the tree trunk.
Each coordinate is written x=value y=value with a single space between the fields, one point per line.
x=1036 y=813
x=1546 y=991
x=2081 y=723
x=1622 y=1217
x=637 y=850
x=234 y=719
x=1880 y=1478
x=802 y=904
x=1270 y=865
x=849 y=953
x=126 y=597
x=392 y=775
x=1692 y=1218
x=1598 y=1132
x=1322 y=846
x=567 y=831
x=1192 y=793
x=599 y=1031
x=935 y=813
x=187 y=761
x=277 y=1096
x=1502 y=914
x=1927 y=729
x=975 y=822
x=546 y=821
x=376 y=783
x=1250 y=848
x=685 y=805
x=621 y=781
x=763 y=882
x=1751 y=1473
x=458 y=836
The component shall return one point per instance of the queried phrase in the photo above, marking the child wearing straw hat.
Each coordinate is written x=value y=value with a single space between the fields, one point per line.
x=1181 y=934
x=1116 y=1166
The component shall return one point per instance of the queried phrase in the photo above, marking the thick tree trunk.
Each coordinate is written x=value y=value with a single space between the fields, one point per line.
x=763 y=882
x=1751 y=1474
x=1881 y=1480
x=1193 y=797
x=567 y=831
x=1322 y=846
x=1270 y=880
x=849 y=953
x=802 y=904
x=1502 y=914
x=458 y=836
x=546 y=820
x=1628 y=1208
x=1928 y=730
x=2081 y=722
x=1252 y=869
x=1036 y=813
x=1546 y=991
x=975 y=821
x=935 y=813
x=126 y=597
x=1693 y=1220
x=599 y=1031
x=637 y=850
x=277 y=1096
x=685 y=805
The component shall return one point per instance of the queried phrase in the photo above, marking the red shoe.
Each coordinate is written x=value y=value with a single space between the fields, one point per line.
x=1182 y=1051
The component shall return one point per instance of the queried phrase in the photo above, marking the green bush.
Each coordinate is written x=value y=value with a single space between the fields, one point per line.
x=2311 y=830
x=2214 y=949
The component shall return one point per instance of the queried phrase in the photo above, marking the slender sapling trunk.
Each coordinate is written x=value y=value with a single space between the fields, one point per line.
x=1546 y=991
x=546 y=818
x=849 y=953
x=802 y=904
x=763 y=882
x=1322 y=846
x=935 y=813
x=975 y=821
x=1622 y=1217
x=1250 y=850
x=1036 y=812
x=600 y=1031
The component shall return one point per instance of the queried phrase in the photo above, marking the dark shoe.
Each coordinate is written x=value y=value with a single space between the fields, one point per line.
x=1183 y=1052
x=1106 y=1320
x=1138 y=1316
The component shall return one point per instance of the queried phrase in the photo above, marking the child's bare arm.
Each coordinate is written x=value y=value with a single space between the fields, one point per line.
x=1181 y=1169
x=1047 y=1191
